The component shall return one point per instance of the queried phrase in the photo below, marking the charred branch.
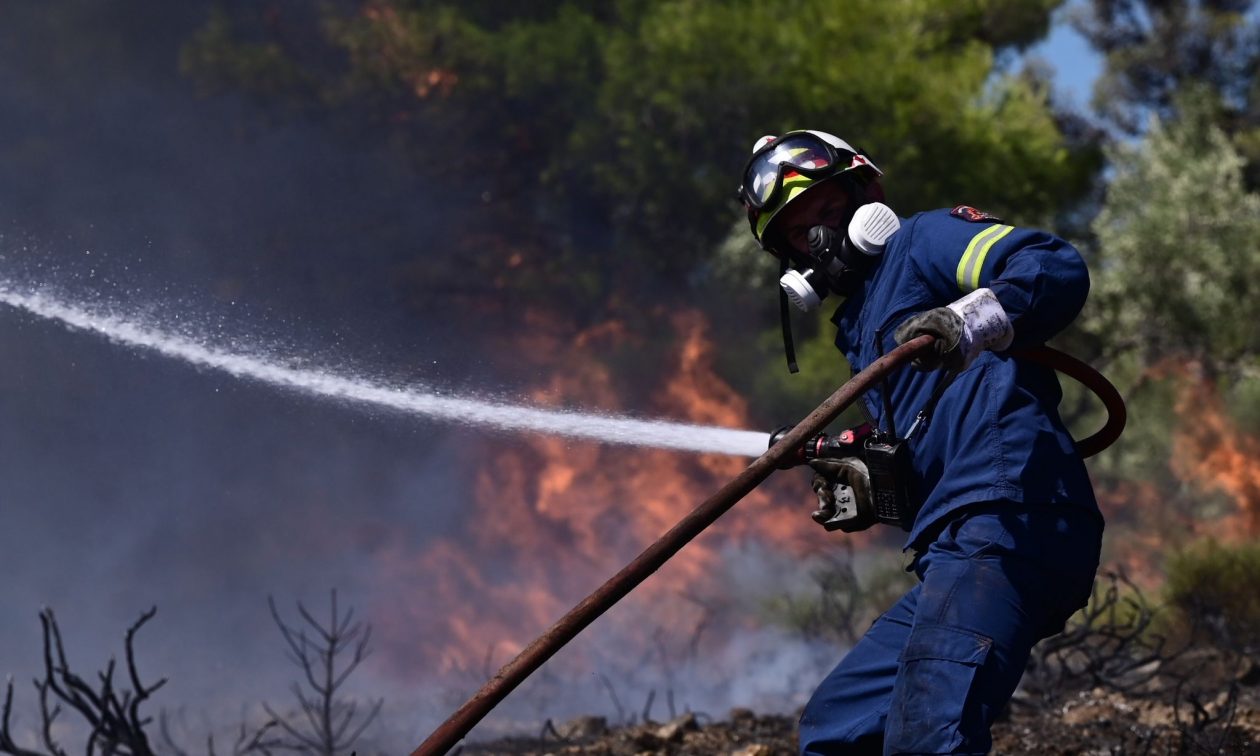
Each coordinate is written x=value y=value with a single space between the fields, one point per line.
x=324 y=722
x=246 y=742
x=113 y=715
x=1114 y=647
x=1112 y=644
x=612 y=694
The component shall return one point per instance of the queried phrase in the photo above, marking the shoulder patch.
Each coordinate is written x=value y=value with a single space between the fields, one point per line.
x=968 y=213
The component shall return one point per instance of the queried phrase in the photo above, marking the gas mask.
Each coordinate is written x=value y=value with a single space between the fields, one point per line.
x=837 y=262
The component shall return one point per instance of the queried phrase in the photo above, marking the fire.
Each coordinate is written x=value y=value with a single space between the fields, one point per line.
x=1211 y=451
x=552 y=518
x=1136 y=509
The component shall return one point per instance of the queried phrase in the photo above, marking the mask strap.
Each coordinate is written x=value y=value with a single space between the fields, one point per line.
x=785 y=318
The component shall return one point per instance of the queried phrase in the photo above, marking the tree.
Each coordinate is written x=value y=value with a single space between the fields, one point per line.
x=600 y=144
x=325 y=724
x=1157 y=51
x=622 y=126
x=1179 y=240
x=1174 y=310
x=111 y=712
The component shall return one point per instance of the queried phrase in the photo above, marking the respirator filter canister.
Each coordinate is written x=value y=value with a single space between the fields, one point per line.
x=869 y=230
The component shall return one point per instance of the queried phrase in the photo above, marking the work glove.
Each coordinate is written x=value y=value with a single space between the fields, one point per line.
x=843 y=488
x=963 y=329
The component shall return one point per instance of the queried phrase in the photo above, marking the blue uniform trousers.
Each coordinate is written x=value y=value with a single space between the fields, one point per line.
x=933 y=672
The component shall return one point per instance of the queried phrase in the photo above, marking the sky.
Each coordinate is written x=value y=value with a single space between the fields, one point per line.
x=1076 y=64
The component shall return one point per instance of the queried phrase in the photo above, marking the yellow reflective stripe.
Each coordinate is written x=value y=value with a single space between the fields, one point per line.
x=984 y=251
x=968 y=274
x=966 y=265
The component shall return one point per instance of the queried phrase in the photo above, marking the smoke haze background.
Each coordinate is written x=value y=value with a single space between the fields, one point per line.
x=128 y=480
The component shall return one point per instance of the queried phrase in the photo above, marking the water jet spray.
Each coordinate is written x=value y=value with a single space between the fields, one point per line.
x=410 y=399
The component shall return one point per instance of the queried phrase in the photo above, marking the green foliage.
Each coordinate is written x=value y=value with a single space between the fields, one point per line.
x=907 y=81
x=604 y=141
x=221 y=60
x=1180 y=248
x=840 y=603
x=823 y=369
x=1214 y=588
x=1171 y=308
x=637 y=116
x=1157 y=51
x=1143 y=452
x=1242 y=400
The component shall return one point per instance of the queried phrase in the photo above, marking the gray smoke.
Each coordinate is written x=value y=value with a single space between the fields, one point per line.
x=129 y=480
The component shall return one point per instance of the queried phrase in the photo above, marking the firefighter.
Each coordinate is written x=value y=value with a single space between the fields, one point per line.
x=1003 y=525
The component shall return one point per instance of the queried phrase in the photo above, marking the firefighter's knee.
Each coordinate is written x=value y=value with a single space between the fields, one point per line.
x=847 y=713
x=940 y=703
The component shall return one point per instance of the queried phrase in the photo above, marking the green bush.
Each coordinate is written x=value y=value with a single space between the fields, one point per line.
x=842 y=597
x=1214 y=588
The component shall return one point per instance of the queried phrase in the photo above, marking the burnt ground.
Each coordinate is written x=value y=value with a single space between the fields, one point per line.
x=1214 y=709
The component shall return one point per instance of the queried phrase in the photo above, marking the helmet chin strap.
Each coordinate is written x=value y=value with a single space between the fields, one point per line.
x=785 y=318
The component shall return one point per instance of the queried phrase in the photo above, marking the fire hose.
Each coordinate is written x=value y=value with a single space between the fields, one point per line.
x=512 y=674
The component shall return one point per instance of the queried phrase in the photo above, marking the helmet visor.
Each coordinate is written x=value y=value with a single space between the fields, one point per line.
x=801 y=154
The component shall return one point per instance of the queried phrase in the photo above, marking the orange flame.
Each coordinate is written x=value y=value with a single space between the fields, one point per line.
x=1134 y=508
x=551 y=518
x=1209 y=450
x=1209 y=453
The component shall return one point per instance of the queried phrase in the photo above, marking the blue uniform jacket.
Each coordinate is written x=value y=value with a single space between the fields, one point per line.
x=995 y=433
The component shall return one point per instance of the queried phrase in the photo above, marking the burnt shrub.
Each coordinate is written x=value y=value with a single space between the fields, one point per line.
x=1213 y=588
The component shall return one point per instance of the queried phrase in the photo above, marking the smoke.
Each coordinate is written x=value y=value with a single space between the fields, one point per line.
x=129 y=480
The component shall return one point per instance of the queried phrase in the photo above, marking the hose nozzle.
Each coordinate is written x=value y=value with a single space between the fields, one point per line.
x=847 y=443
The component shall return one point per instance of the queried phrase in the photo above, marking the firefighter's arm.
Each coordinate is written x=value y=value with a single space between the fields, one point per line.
x=1000 y=286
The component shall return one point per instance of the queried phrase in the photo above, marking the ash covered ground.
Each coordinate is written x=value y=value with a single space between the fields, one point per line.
x=1204 y=701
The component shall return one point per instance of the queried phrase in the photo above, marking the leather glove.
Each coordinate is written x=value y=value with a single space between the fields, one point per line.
x=947 y=327
x=963 y=330
x=843 y=488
